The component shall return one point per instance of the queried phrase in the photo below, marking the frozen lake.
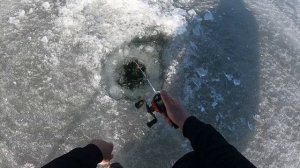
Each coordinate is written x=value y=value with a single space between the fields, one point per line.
x=234 y=64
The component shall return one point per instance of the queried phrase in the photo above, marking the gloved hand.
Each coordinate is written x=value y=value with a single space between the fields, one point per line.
x=106 y=149
x=175 y=111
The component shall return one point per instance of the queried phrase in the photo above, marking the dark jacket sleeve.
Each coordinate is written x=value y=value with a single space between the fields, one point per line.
x=86 y=157
x=211 y=149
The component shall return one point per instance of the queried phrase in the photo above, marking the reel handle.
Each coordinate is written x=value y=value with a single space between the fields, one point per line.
x=152 y=122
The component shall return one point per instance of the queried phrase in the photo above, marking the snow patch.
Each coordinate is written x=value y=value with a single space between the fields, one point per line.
x=30 y=11
x=45 y=39
x=171 y=71
x=218 y=98
x=237 y=82
x=149 y=49
x=14 y=21
x=192 y=13
x=46 y=5
x=231 y=78
x=202 y=109
x=21 y=14
x=208 y=16
x=28 y=165
x=201 y=72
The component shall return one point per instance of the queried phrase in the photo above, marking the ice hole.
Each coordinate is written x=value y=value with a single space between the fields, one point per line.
x=130 y=75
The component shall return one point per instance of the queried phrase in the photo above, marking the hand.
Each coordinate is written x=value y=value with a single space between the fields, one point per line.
x=106 y=149
x=175 y=111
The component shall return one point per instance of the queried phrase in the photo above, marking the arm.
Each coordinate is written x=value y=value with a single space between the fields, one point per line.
x=209 y=145
x=88 y=156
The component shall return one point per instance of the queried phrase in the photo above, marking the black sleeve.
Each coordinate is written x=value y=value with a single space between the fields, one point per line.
x=210 y=146
x=86 y=157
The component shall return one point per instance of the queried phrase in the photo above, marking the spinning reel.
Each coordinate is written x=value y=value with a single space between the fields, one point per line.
x=157 y=105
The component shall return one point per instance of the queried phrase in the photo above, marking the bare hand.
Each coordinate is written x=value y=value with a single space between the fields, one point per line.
x=175 y=111
x=106 y=149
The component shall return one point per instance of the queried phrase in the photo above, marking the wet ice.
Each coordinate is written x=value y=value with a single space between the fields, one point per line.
x=53 y=79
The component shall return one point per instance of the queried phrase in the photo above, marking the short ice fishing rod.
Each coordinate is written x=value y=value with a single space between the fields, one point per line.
x=157 y=103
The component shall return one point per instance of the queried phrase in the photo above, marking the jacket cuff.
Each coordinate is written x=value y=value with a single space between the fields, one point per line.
x=94 y=153
x=190 y=125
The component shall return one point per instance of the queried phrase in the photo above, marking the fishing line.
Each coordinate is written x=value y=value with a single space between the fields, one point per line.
x=146 y=77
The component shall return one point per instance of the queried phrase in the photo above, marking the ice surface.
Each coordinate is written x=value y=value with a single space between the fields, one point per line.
x=239 y=73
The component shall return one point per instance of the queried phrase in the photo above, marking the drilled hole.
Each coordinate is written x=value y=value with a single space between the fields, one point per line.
x=130 y=75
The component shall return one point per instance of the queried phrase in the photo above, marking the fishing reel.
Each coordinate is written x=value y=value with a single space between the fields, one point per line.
x=157 y=105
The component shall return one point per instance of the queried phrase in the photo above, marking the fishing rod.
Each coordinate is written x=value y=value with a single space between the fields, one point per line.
x=157 y=103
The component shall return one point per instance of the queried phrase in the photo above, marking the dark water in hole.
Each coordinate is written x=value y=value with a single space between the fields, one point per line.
x=131 y=75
